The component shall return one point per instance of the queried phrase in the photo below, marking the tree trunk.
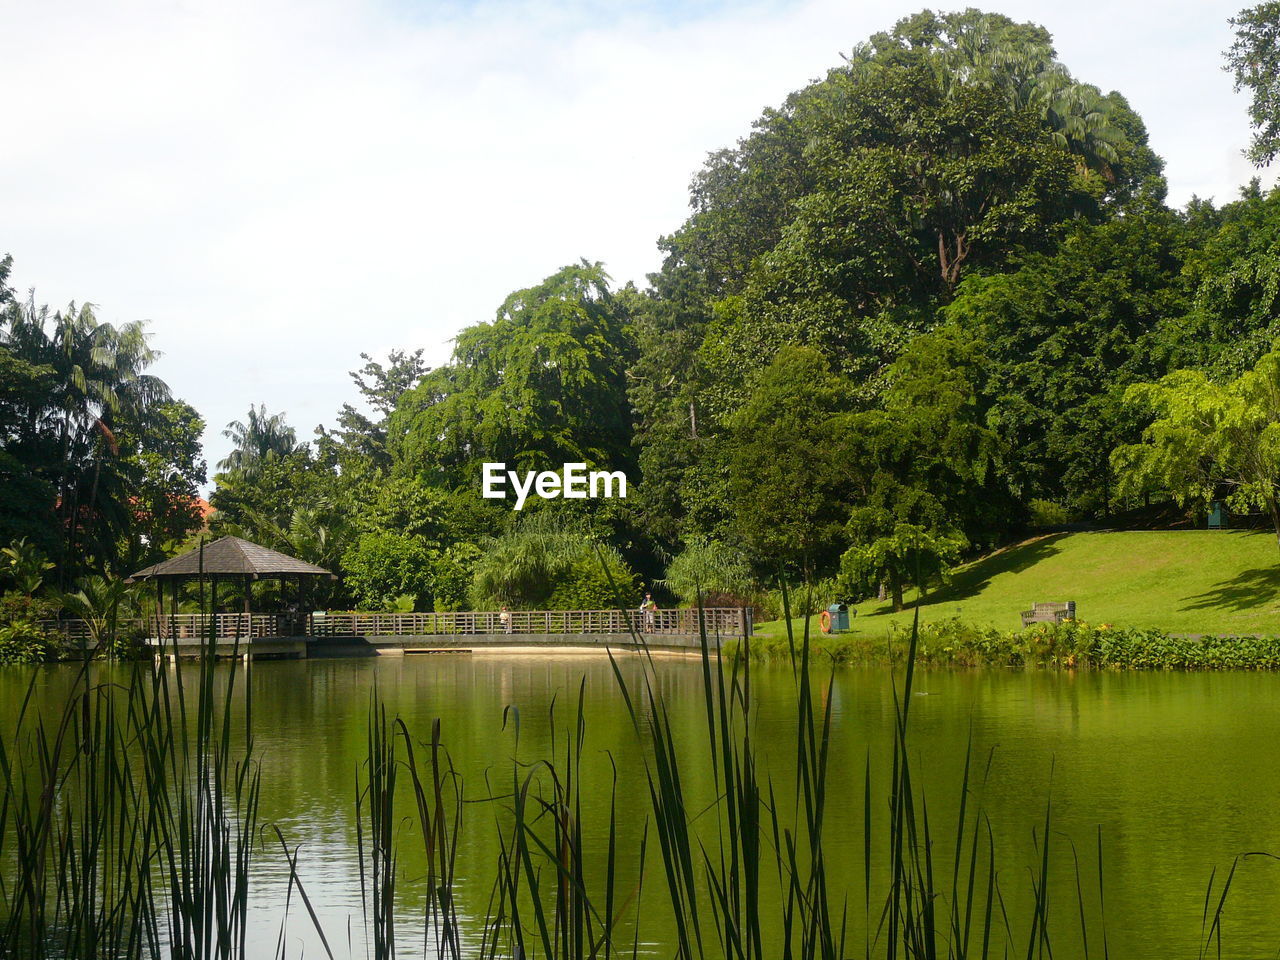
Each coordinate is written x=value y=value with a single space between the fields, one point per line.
x=895 y=584
x=1275 y=518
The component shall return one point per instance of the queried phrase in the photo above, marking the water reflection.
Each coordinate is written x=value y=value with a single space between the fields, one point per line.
x=1178 y=772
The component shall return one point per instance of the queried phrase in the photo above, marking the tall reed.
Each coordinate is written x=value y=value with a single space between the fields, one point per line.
x=129 y=821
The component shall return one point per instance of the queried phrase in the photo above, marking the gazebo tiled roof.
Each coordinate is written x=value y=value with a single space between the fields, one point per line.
x=229 y=557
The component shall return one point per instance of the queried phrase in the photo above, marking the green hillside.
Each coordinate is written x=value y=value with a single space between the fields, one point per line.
x=1197 y=581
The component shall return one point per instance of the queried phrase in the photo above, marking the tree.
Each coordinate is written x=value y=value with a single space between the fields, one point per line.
x=259 y=438
x=1062 y=336
x=786 y=466
x=1232 y=273
x=162 y=456
x=710 y=569
x=24 y=565
x=1254 y=60
x=383 y=567
x=95 y=377
x=1208 y=438
x=924 y=469
x=546 y=562
x=361 y=440
x=544 y=383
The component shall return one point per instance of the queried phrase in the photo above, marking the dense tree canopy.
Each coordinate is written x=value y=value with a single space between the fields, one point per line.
x=930 y=299
x=543 y=384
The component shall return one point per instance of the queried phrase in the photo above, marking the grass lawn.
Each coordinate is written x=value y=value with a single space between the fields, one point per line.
x=1184 y=581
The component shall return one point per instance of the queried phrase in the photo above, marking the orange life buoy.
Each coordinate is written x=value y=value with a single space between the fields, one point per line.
x=824 y=621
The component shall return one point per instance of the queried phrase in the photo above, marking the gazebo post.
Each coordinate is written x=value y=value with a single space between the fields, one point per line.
x=173 y=608
x=213 y=609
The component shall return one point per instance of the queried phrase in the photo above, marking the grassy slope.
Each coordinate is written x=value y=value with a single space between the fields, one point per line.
x=1196 y=581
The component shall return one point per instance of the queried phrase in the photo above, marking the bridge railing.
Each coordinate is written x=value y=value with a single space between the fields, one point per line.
x=722 y=621
x=725 y=621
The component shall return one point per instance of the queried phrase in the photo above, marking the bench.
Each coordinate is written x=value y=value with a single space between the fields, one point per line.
x=1049 y=612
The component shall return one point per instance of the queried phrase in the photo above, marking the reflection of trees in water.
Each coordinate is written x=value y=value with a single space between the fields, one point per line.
x=1117 y=741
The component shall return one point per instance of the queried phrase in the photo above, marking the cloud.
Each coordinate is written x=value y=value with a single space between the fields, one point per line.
x=278 y=186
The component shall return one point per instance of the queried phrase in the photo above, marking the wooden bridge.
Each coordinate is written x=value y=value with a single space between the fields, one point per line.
x=326 y=634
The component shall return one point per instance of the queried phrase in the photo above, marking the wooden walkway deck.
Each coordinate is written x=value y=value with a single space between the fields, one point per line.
x=358 y=633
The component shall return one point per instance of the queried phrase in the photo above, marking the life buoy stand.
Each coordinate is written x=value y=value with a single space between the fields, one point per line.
x=824 y=621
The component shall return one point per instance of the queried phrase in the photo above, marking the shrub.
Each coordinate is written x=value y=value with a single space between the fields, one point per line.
x=542 y=563
x=22 y=639
x=712 y=567
x=1073 y=644
x=1047 y=513
x=382 y=567
x=584 y=584
x=25 y=641
x=129 y=643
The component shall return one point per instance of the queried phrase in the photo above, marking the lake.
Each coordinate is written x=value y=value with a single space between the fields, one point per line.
x=1179 y=772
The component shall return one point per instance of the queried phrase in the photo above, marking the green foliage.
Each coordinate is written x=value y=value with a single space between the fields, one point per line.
x=25 y=642
x=102 y=603
x=1068 y=645
x=1207 y=437
x=24 y=566
x=258 y=439
x=788 y=475
x=1233 y=276
x=924 y=468
x=1254 y=60
x=381 y=567
x=594 y=581
x=1047 y=513
x=544 y=562
x=543 y=384
x=454 y=571
x=710 y=568
x=71 y=383
x=1061 y=337
x=22 y=637
x=162 y=452
x=360 y=441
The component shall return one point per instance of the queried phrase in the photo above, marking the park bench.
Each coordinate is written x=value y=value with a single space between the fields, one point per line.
x=1049 y=613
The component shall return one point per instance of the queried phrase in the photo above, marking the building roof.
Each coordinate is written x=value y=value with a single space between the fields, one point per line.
x=231 y=557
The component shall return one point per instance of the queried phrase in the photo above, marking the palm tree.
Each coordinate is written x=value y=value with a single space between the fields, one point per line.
x=264 y=437
x=98 y=374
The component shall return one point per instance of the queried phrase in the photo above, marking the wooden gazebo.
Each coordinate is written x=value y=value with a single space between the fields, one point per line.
x=229 y=559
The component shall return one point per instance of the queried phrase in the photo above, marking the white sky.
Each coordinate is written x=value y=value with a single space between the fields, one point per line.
x=278 y=185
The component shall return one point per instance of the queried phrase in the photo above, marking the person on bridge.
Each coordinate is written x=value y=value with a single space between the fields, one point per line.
x=648 y=608
x=504 y=617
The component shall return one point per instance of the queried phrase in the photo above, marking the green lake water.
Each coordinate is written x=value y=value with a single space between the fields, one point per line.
x=1180 y=772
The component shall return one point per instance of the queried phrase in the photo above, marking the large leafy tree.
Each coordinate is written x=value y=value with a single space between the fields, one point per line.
x=93 y=375
x=943 y=148
x=359 y=443
x=163 y=458
x=1254 y=60
x=1208 y=438
x=1063 y=335
x=1232 y=272
x=925 y=478
x=543 y=384
x=787 y=463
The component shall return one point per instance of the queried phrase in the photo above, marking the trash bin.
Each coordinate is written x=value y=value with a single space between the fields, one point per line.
x=839 y=617
x=1217 y=516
